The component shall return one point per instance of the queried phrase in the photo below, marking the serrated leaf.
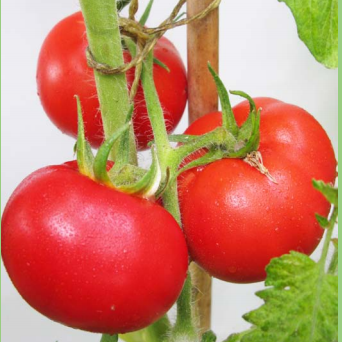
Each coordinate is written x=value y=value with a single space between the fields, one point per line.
x=300 y=306
x=323 y=221
x=317 y=24
x=328 y=191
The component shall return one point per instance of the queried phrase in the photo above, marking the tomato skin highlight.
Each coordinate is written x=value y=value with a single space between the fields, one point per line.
x=80 y=252
x=63 y=72
x=234 y=218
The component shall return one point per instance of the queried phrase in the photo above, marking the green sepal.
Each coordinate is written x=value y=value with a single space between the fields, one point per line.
x=146 y=13
x=100 y=162
x=128 y=174
x=209 y=336
x=179 y=16
x=148 y=185
x=252 y=106
x=156 y=332
x=253 y=141
x=109 y=338
x=85 y=157
x=121 y=4
x=323 y=221
x=328 y=191
x=228 y=119
x=247 y=128
x=161 y=64
x=208 y=158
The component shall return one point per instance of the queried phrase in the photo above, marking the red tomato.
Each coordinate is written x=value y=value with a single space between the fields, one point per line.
x=63 y=72
x=91 y=257
x=235 y=219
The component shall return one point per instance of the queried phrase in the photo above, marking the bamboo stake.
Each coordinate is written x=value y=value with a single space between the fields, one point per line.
x=203 y=46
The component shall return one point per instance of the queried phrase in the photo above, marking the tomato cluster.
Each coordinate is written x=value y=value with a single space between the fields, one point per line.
x=93 y=258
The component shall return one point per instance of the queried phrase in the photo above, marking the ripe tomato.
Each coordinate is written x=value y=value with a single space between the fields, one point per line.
x=63 y=72
x=80 y=252
x=235 y=219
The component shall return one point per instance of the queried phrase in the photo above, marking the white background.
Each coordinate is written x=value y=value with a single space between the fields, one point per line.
x=260 y=53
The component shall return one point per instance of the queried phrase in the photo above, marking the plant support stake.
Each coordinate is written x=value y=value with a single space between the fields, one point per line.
x=203 y=47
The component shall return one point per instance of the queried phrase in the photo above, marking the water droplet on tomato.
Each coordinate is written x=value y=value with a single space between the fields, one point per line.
x=232 y=269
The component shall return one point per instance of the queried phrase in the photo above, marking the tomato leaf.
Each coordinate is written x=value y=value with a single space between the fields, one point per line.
x=301 y=304
x=85 y=156
x=317 y=24
x=328 y=191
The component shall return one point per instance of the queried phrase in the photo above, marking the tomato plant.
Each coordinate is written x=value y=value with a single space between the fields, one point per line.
x=235 y=218
x=80 y=252
x=88 y=244
x=63 y=72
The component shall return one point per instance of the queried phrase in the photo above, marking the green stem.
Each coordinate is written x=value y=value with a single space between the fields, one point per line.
x=184 y=327
x=155 y=114
x=104 y=39
x=333 y=266
x=328 y=236
x=167 y=158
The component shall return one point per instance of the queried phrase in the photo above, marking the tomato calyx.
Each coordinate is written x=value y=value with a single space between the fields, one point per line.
x=229 y=140
x=122 y=176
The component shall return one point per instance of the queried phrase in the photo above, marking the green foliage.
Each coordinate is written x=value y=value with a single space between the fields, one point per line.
x=209 y=336
x=146 y=13
x=108 y=338
x=317 y=24
x=329 y=192
x=154 y=333
x=301 y=304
